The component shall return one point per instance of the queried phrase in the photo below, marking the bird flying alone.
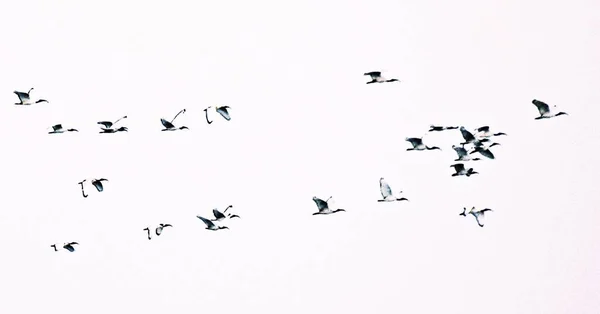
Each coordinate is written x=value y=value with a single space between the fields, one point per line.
x=544 y=110
x=478 y=214
x=377 y=78
x=58 y=128
x=222 y=110
x=323 y=207
x=417 y=144
x=461 y=171
x=386 y=192
x=24 y=98
x=169 y=126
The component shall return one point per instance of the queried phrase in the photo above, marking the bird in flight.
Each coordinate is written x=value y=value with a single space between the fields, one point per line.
x=25 y=100
x=377 y=78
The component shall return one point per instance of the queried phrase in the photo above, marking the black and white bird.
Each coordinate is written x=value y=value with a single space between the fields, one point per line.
x=69 y=246
x=221 y=215
x=97 y=183
x=433 y=128
x=462 y=154
x=377 y=78
x=58 y=128
x=158 y=230
x=461 y=171
x=470 y=138
x=484 y=150
x=544 y=109
x=169 y=125
x=417 y=144
x=478 y=214
x=323 y=207
x=109 y=126
x=210 y=225
x=386 y=192
x=484 y=132
x=25 y=100
x=222 y=110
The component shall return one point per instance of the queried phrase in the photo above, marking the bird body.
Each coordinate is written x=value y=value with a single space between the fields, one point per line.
x=377 y=78
x=169 y=126
x=210 y=225
x=433 y=128
x=97 y=183
x=461 y=171
x=484 y=151
x=544 y=110
x=417 y=144
x=478 y=214
x=484 y=132
x=58 y=128
x=386 y=192
x=24 y=98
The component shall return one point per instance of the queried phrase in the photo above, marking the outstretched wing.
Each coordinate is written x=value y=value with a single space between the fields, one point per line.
x=486 y=152
x=321 y=204
x=460 y=151
x=541 y=106
x=479 y=216
x=459 y=167
x=207 y=222
x=107 y=124
x=385 y=189
x=23 y=97
x=98 y=185
x=415 y=141
x=374 y=74
x=223 y=111
x=483 y=129
x=57 y=127
x=468 y=136
x=218 y=214
x=166 y=124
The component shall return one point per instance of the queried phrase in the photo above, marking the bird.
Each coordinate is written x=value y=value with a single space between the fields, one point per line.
x=461 y=171
x=108 y=126
x=462 y=154
x=97 y=183
x=58 y=128
x=222 y=110
x=169 y=125
x=221 y=215
x=441 y=128
x=479 y=214
x=377 y=78
x=485 y=151
x=417 y=144
x=386 y=192
x=470 y=138
x=24 y=98
x=69 y=246
x=160 y=228
x=323 y=207
x=544 y=110
x=484 y=132
x=210 y=225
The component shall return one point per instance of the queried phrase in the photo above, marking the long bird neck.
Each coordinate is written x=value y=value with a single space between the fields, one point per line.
x=29 y=91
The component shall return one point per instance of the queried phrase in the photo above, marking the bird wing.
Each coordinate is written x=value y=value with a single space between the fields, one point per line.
x=57 y=127
x=385 y=189
x=479 y=216
x=23 y=97
x=107 y=124
x=415 y=141
x=98 y=185
x=208 y=223
x=468 y=136
x=374 y=74
x=223 y=111
x=218 y=214
x=459 y=167
x=461 y=151
x=541 y=106
x=321 y=204
x=486 y=152
x=166 y=124
x=483 y=129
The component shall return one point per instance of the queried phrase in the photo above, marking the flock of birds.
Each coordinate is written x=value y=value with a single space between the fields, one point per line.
x=479 y=141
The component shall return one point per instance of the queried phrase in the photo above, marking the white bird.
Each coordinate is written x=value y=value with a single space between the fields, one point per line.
x=24 y=98
x=461 y=171
x=323 y=207
x=544 y=110
x=417 y=144
x=169 y=125
x=97 y=183
x=478 y=214
x=484 y=132
x=69 y=246
x=210 y=225
x=109 y=126
x=58 y=128
x=386 y=192
x=462 y=154
x=377 y=78
x=222 y=110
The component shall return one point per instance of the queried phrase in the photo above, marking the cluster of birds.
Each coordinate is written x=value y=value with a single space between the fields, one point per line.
x=479 y=141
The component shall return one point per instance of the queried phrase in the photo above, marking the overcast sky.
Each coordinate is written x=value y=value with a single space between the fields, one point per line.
x=304 y=124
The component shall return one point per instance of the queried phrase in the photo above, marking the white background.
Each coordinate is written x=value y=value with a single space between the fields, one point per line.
x=304 y=124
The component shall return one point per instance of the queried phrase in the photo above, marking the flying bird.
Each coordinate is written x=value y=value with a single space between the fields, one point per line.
x=470 y=138
x=484 y=132
x=386 y=192
x=97 y=183
x=462 y=154
x=69 y=246
x=485 y=151
x=461 y=171
x=24 y=98
x=169 y=125
x=433 y=128
x=323 y=207
x=544 y=110
x=478 y=214
x=58 y=128
x=108 y=126
x=210 y=225
x=417 y=144
x=222 y=110
x=221 y=215
x=377 y=78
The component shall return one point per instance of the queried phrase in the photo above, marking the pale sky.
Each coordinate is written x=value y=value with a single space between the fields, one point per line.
x=304 y=124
